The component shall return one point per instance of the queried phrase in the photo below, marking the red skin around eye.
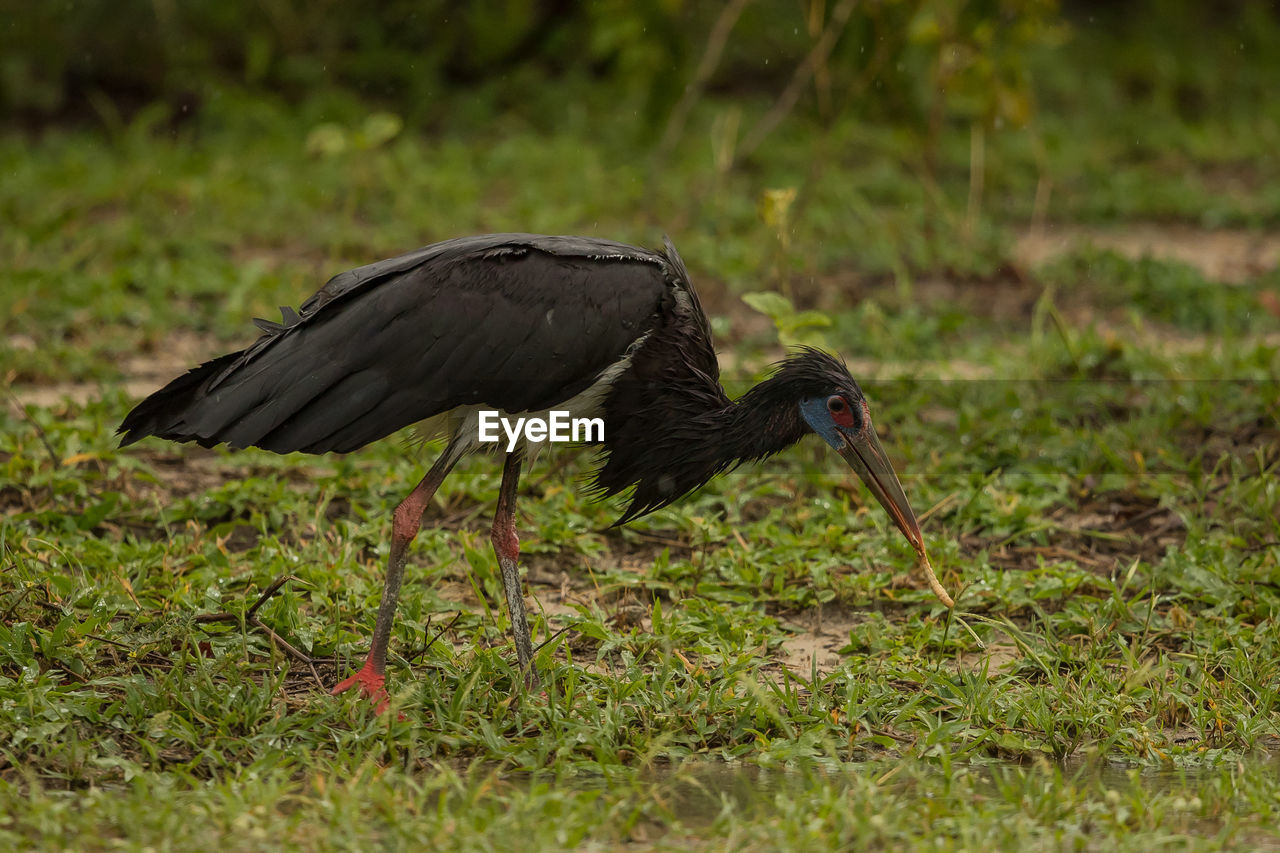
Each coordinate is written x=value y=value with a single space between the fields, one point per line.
x=844 y=417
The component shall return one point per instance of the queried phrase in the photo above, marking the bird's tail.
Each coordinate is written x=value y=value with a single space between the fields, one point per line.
x=284 y=393
x=164 y=413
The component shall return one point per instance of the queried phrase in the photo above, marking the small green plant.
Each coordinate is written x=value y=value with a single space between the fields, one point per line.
x=795 y=328
x=331 y=139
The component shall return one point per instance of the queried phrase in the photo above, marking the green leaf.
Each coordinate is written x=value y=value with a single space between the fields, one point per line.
x=809 y=318
x=772 y=305
x=327 y=140
x=378 y=130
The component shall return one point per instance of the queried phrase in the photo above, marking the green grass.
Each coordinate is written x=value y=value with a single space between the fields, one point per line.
x=864 y=805
x=756 y=668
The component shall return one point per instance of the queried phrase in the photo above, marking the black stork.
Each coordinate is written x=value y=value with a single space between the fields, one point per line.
x=517 y=323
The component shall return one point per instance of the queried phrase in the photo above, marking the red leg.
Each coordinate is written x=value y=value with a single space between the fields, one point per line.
x=506 y=544
x=406 y=521
x=371 y=677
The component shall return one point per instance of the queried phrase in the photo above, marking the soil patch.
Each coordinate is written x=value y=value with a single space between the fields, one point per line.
x=818 y=647
x=145 y=372
x=1227 y=255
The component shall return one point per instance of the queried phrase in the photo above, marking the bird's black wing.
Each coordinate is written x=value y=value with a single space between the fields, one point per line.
x=674 y=379
x=515 y=321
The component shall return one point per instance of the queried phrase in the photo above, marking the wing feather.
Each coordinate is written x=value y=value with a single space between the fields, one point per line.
x=518 y=322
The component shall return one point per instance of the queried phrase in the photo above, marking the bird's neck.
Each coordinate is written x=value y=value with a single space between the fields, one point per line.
x=670 y=443
x=764 y=421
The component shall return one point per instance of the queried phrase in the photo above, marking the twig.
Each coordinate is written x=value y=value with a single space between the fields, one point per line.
x=432 y=642
x=977 y=173
x=803 y=74
x=251 y=618
x=13 y=607
x=544 y=643
x=1147 y=513
x=108 y=641
x=252 y=612
x=937 y=507
x=204 y=618
x=716 y=40
x=881 y=54
x=270 y=591
x=298 y=655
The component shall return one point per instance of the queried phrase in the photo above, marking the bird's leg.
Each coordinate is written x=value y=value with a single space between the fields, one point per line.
x=406 y=521
x=506 y=544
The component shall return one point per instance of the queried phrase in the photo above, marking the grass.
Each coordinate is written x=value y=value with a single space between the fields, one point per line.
x=757 y=668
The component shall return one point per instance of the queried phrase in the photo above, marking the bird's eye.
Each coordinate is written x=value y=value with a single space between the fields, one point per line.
x=841 y=412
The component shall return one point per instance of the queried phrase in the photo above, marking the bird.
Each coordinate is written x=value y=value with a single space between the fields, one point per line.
x=517 y=324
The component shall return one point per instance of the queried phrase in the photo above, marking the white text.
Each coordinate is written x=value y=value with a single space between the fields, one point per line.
x=557 y=426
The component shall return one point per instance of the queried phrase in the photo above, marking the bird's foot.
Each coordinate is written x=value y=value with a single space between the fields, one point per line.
x=371 y=683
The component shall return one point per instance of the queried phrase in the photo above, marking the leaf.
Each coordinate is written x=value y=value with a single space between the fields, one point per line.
x=773 y=305
x=379 y=129
x=327 y=140
x=805 y=337
x=158 y=725
x=810 y=318
x=77 y=458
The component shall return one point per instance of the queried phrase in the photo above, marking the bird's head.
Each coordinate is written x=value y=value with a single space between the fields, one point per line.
x=833 y=406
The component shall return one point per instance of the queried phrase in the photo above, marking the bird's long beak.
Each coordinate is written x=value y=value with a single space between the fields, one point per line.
x=868 y=459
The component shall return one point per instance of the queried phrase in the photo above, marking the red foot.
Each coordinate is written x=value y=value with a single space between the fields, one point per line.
x=371 y=686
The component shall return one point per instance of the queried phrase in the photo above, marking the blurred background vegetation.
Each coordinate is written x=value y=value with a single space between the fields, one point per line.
x=829 y=153
x=1081 y=197
x=917 y=63
x=914 y=61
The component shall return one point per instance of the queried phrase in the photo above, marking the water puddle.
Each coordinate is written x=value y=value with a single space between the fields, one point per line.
x=699 y=792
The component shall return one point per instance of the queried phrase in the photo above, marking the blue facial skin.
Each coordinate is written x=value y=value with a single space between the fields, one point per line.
x=815 y=412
